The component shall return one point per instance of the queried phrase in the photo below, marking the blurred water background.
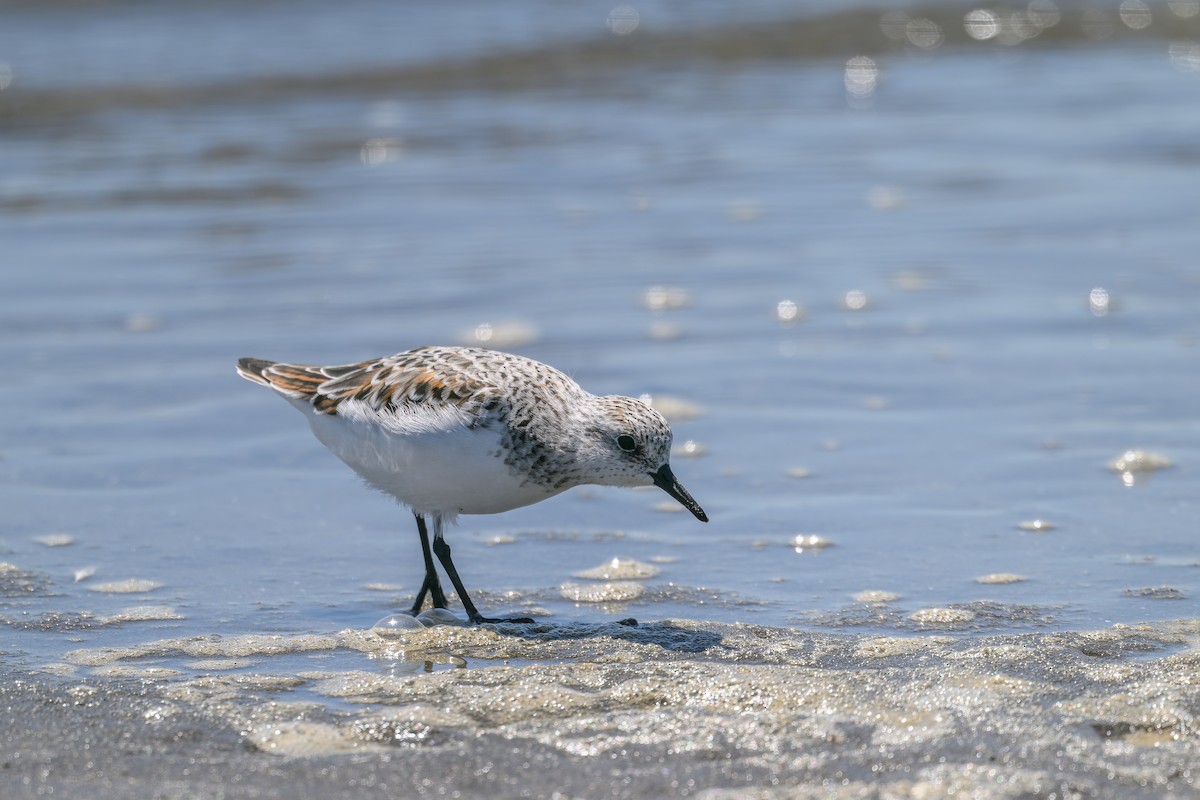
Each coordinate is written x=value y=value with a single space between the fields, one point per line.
x=908 y=277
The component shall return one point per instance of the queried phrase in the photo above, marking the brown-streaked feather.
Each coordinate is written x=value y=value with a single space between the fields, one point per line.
x=383 y=384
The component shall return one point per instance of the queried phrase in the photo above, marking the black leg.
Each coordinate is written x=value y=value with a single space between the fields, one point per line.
x=431 y=585
x=443 y=553
x=420 y=601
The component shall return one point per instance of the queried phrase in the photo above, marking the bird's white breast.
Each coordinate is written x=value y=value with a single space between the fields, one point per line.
x=429 y=458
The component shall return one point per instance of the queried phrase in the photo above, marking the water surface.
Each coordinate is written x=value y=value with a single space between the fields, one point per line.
x=918 y=300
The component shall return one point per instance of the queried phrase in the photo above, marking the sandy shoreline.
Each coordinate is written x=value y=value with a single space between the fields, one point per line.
x=671 y=708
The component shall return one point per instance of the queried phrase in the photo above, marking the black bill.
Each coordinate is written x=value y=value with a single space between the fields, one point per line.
x=666 y=480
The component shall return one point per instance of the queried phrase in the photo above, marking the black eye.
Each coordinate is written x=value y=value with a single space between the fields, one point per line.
x=626 y=443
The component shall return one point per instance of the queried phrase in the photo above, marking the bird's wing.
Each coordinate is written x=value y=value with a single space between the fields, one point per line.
x=400 y=384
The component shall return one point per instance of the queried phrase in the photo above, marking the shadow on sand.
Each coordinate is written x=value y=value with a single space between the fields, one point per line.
x=663 y=634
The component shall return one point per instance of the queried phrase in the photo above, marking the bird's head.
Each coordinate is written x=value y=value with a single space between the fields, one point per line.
x=630 y=445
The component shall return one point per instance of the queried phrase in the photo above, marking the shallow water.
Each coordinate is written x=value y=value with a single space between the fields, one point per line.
x=915 y=308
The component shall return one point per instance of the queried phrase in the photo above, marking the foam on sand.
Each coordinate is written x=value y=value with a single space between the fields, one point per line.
x=1106 y=713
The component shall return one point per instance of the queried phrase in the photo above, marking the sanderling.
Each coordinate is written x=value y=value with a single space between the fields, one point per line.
x=462 y=430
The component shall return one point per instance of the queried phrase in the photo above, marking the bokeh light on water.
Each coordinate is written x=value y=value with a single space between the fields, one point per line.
x=982 y=24
x=624 y=20
x=1185 y=56
x=1135 y=14
x=861 y=76
x=788 y=312
x=1099 y=301
x=380 y=151
x=923 y=33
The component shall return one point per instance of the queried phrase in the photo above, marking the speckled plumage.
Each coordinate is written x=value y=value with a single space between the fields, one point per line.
x=456 y=430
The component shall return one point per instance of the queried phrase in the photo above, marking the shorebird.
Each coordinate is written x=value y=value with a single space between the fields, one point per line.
x=460 y=430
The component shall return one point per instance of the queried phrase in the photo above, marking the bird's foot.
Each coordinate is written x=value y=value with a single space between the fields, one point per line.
x=479 y=619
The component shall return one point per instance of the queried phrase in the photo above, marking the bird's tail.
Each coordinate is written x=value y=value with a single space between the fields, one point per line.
x=254 y=369
x=294 y=381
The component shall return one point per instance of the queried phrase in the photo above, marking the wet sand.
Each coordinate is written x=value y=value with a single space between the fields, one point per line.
x=665 y=709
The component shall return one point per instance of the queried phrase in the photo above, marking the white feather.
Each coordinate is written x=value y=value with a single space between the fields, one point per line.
x=428 y=457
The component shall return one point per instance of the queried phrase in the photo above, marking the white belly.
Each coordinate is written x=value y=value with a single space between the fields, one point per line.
x=434 y=469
